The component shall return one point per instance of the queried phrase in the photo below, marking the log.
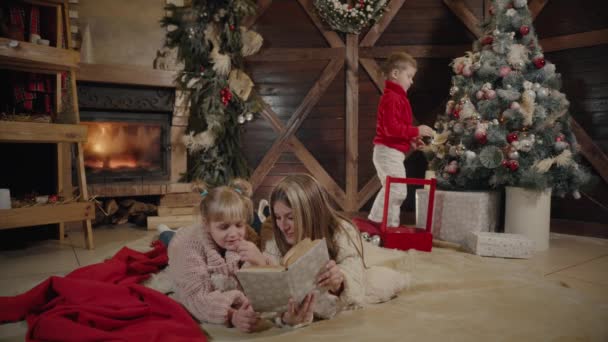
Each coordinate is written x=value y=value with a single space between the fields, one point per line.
x=111 y=207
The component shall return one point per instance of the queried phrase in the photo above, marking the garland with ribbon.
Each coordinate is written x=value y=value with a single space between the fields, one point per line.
x=211 y=45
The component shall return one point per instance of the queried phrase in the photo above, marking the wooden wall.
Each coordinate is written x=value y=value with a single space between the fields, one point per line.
x=419 y=22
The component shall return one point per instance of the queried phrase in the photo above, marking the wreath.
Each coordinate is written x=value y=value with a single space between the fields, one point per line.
x=349 y=18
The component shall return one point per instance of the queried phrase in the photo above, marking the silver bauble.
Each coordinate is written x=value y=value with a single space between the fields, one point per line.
x=376 y=240
x=240 y=119
x=453 y=90
x=514 y=155
x=249 y=116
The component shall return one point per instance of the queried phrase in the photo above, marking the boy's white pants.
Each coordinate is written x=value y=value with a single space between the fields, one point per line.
x=389 y=162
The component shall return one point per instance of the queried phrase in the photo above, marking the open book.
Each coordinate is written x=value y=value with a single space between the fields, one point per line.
x=270 y=287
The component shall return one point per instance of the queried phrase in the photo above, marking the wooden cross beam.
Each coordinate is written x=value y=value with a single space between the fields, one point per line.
x=536 y=6
x=469 y=19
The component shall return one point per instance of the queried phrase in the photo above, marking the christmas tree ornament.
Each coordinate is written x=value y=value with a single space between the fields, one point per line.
x=449 y=107
x=249 y=116
x=480 y=95
x=491 y=157
x=513 y=155
x=539 y=62
x=511 y=12
x=456 y=114
x=487 y=40
x=375 y=240
x=452 y=168
x=515 y=105
x=458 y=128
x=524 y=30
x=518 y=56
x=520 y=3
x=240 y=119
x=492 y=10
x=513 y=165
x=576 y=194
x=454 y=90
x=470 y=155
x=504 y=71
x=491 y=94
x=252 y=42
x=466 y=71
x=481 y=136
x=511 y=137
x=365 y=236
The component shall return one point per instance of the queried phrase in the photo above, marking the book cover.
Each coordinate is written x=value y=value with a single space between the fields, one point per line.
x=270 y=287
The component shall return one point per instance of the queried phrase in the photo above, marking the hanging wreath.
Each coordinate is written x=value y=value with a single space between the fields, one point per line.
x=351 y=16
x=211 y=45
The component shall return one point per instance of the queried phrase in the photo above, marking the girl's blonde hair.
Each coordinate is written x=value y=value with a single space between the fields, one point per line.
x=313 y=215
x=228 y=203
x=399 y=61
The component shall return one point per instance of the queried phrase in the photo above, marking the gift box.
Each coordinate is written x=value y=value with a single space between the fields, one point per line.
x=500 y=245
x=457 y=212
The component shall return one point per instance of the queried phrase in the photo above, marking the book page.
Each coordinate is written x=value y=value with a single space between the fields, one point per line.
x=267 y=291
x=303 y=272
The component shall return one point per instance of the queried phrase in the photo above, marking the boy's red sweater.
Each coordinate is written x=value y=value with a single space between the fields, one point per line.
x=394 y=123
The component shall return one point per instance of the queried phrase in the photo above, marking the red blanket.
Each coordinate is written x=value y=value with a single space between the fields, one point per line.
x=102 y=302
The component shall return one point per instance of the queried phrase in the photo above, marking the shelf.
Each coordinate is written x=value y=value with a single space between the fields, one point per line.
x=46 y=214
x=33 y=132
x=126 y=74
x=34 y=57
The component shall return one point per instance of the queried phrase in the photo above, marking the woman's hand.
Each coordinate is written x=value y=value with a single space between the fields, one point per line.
x=425 y=131
x=244 y=319
x=332 y=279
x=302 y=314
x=250 y=253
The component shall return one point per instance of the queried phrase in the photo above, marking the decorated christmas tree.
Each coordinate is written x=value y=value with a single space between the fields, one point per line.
x=211 y=45
x=507 y=123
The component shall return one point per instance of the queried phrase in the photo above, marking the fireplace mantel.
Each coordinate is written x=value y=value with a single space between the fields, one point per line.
x=126 y=74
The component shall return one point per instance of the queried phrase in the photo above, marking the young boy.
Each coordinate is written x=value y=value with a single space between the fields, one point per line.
x=395 y=134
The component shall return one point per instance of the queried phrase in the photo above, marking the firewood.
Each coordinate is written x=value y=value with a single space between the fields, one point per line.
x=139 y=219
x=127 y=203
x=137 y=208
x=111 y=207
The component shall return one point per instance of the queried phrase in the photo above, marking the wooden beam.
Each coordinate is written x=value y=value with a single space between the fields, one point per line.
x=332 y=37
x=536 y=6
x=297 y=54
x=263 y=5
x=373 y=70
x=590 y=150
x=352 y=121
x=327 y=76
x=574 y=41
x=416 y=51
x=370 y=188
x=126 y=74
x=376 y=31
x=46 y=214
x=318 y=172
x=39 y=56
x=33 y=132
x=309 y=161
x=466 y=16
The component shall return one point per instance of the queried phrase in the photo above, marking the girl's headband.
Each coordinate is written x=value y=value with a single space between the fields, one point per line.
x=205 y=192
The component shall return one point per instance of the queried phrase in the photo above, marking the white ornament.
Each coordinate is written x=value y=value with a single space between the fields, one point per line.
x=241 y=119
x=519 y=3
x=249 y=116
x=511 y=12
x=536 y=86
x=470 y=155
x=376 y=240
x=453 y=90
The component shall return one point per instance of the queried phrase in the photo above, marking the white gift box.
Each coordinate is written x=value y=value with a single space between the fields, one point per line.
x=458 y=212
x=500 y=245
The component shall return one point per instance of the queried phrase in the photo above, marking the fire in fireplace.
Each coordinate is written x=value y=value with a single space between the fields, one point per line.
x=123 y=146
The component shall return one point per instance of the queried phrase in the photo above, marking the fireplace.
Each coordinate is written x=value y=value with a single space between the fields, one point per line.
x=126 y=146
x=134 y=139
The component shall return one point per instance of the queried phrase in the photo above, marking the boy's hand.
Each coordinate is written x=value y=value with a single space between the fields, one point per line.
x=250 y=253
x=245 y=319
x=302 y=314
x=425 y=131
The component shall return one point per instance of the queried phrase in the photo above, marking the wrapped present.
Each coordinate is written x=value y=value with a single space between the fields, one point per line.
x=457 y=212
x=500 y=245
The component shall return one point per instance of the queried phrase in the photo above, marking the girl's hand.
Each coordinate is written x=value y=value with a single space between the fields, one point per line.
x=302 y=314
x=332 y=279
x=244 y=319
x=250 y=253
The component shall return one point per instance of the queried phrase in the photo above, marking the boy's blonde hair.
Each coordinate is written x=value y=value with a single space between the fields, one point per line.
x=313 y=215
x=229 y=203
x=399 y=61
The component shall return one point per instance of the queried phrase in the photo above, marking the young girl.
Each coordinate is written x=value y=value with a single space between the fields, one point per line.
x=203 y=258
x=299 y=209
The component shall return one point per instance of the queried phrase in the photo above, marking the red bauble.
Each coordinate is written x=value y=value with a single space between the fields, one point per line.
x=456 y=113
x=481 y=137
x=487 y=40
x=505 y=163
x=513 y=165
x=559 y=138
x=524 y=30
x=539 y=62
x=231 y=27
x=53 y=198
x=511 y=137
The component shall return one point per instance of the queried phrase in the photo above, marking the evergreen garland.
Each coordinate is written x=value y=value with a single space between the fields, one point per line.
x=211 y=46
x=348 y=18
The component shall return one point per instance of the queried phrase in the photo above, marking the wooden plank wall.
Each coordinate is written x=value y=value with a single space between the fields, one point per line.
x=419 y=22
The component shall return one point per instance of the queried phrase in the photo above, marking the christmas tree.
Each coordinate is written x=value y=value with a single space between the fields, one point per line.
x=507 y=123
